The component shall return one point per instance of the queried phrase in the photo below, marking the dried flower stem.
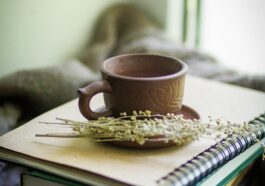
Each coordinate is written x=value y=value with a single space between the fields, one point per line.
x=143 y=126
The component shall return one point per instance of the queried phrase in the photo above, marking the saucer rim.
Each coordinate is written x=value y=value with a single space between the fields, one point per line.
x=197 y=115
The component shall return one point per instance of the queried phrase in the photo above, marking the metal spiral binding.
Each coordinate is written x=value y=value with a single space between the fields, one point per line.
x=209 y=160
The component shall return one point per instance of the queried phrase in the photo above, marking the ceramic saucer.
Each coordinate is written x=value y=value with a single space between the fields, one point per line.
x=186 y=111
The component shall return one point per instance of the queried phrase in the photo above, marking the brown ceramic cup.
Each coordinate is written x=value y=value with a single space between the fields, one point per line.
x=136 y=82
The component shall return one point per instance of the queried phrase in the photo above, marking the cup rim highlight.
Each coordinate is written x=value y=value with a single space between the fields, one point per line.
x=182 y=71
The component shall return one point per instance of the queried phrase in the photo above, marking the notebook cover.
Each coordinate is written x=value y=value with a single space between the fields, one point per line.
x=66 y=157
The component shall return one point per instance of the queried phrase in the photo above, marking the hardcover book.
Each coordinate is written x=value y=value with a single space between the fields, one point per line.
x=88 y=162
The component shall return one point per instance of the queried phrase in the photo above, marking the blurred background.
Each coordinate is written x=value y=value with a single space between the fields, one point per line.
x=37 y=33
x=41 y=33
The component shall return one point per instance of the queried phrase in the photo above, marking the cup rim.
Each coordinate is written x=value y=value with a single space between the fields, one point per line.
x=183 y=71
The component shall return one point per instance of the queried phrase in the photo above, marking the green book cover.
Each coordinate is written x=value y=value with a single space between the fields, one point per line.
x=29 y=177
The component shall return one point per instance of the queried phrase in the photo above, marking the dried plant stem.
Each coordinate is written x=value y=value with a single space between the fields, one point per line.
x=143 y=126
x=60 y=135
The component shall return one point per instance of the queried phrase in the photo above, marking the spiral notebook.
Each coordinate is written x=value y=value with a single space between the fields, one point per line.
x=88 y=162
x=212 y=158
x=196 y=169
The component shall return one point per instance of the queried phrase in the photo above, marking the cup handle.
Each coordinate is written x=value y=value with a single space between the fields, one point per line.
x=85 y=96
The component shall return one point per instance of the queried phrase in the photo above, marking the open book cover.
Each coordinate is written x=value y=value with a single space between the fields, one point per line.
x=101 y=163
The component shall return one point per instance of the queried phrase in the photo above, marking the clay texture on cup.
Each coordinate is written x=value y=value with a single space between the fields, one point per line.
x=139 y=82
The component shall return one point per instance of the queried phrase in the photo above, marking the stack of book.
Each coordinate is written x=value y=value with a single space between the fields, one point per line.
x=77 y=161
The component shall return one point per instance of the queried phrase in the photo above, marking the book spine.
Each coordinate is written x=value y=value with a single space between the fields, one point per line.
x=212 y=158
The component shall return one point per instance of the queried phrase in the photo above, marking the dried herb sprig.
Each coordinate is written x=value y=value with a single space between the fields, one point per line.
x=143 y=126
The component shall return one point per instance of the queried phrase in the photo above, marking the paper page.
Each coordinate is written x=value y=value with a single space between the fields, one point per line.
x=133 y=166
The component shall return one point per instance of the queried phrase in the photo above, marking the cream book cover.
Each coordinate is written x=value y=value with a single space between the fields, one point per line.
x=86 y=161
